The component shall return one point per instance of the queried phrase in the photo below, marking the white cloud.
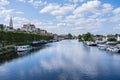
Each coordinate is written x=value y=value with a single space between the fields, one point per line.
x=20 y=12
x=117 y=27
x=56 y=9
x=5 y=13
x=50 y=8
x=21 y=20
x=116 y=15
x=37 y=3
x=90 y=6
x=4 y=2
x=107 y=8
x=117 y=11
x=75 y=1
x=22 y=1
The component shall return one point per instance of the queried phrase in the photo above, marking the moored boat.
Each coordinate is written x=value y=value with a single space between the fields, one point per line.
x=38 y=43
x=102 y=46
x=23 y=48
x=90 y=43
x=115 y=49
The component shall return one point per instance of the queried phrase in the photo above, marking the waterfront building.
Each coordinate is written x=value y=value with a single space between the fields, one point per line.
x=50 y=34
x=99 y=37
x=28 y=27
x=63 y=36
x=118 y=37
x=105 y=38
x=43 y=32
x=31 y=28
x=55 y=36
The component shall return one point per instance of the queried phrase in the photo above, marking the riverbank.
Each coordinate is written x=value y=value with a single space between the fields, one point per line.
x=33 y=45
x=7 y=51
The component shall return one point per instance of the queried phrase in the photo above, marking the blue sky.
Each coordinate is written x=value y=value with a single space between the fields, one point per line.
x=64 y=16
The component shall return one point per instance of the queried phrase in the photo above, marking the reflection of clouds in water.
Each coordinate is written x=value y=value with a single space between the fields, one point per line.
x=69 y=59
x=69 y=76
x=3 y=70
x=35 y=70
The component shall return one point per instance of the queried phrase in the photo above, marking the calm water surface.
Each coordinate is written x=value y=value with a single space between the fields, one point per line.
x=64 y=60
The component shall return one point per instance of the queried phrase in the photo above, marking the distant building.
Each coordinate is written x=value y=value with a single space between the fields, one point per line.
x=43 y=32
x=11 y=23
x=28 y=27
x=63 y=36
x=99 y=37
x=105 y=38
x=50 y=34
x=55 y=36
x=118 y=37
x=10 y=27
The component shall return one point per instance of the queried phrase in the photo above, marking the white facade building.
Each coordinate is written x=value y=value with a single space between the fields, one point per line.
x=28 y=27
x=118 y=37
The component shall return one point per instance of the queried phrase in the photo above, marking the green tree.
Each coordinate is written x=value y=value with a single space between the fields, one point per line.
x=21 y=37
x=1 y=26
x=70 y=36
x=80 y=37
x=88 y=37
x=111 y=39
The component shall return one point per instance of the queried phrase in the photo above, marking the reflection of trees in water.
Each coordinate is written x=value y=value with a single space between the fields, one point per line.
x=8 y=57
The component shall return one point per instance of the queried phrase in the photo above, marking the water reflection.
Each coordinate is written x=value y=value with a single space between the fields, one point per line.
x=13 y=55
x=65 y=60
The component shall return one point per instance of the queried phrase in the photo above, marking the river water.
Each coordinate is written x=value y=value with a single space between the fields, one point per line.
x=64 y=60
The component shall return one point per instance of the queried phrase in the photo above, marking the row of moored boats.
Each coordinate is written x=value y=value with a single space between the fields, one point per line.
x=34 y=44
x=104 y=45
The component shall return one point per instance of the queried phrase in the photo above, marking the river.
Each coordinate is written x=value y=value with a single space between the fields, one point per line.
x=64 y=60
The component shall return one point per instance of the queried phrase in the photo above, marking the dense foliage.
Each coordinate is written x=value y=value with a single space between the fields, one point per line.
x=1 y=27
x=80 y=37
x=70 y=36
x=17 y=37
x=88 y=37
x=111 y=39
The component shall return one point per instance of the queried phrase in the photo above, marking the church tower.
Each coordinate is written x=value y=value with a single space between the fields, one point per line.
x=11 y=23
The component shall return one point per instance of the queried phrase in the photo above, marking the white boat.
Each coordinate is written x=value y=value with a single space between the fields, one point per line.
x=90 y=43
x=102 y=46
x=23 y=48
x=115 y=49
x=100 y=42
x=109 y=48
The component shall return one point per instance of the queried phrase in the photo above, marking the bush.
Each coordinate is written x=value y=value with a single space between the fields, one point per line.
x=10 y=47
x=0 y=50
x=3 y=49
x=112 y=39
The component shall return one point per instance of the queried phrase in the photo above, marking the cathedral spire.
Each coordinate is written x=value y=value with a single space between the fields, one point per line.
x=11 y=23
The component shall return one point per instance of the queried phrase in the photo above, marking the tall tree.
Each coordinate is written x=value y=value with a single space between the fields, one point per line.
x=88 y=37
x=70 y=36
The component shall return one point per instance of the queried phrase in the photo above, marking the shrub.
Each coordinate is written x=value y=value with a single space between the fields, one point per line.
x=10 y=47
x=3 y=49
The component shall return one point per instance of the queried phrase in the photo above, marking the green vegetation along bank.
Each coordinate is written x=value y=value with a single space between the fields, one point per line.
x=8 y=37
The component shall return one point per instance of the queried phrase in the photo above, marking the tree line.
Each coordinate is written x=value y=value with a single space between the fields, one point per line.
x=86 y=37
x=90 y=37
x=17 y=37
